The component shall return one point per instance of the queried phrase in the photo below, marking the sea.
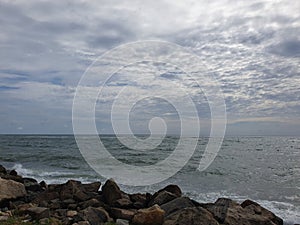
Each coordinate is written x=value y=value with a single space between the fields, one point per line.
x=264 y=169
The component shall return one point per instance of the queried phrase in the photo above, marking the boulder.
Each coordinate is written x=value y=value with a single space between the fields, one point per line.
x=191 y=216
x=122 y=213
x=122 y=222
x=176 y=204
x=162 y=198
x=92 y=202
x=111 y=192
x=229 y=212
x=95 y=216
x=10 y=189
x=38 y=213
x=139 y=200
x=255 y=208
x=150 y=216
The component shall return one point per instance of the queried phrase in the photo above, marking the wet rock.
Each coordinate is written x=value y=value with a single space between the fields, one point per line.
x=139 y=200
x=111 y=192
x=122 y=213
x=38 y=213
x=10 y=189
x=177 y=204
x=162 y=198
x=191 y=216
x=150 y=216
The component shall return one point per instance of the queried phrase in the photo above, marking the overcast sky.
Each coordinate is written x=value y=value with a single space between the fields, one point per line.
x=251 y=47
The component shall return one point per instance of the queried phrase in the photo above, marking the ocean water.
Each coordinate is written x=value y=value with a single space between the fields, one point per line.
x=264 y=169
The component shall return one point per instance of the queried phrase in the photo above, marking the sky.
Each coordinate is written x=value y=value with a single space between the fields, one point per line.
x=252 y=48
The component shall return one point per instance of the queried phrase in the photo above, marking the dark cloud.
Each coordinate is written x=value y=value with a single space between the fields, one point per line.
x=286 y=48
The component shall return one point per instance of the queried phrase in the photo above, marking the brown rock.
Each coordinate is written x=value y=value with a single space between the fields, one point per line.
x=150 y=216
x=38 y=213
x=191 y=216
x=255 y=208
x=123 y=203
x=162 y=198
x=92 y=187
x=95 y=216
x=10 y=189
x=174 y=189
x=92 y=202
x=111 y=192
x=229 y=212
x=177 y=204
x=122 y=213
x=71 y=213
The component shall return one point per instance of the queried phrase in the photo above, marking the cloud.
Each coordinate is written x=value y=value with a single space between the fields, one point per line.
x=251 y=47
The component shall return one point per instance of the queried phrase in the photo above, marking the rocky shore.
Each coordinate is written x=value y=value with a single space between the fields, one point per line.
x=74 y=203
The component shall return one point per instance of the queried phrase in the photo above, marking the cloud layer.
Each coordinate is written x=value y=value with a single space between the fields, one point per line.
x=252 y=48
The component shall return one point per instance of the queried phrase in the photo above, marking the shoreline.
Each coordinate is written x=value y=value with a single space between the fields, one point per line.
x=75 y=203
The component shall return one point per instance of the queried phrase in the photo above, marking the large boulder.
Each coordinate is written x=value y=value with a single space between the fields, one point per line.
x=191 y=216
x=177 y=204
x=150 y=216
x=255 y=208
x=10 y=189
x=38 y=213
x=111 y=192
x=229 y=212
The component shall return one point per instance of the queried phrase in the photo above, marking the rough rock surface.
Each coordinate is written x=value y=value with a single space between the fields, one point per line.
x=10 y=189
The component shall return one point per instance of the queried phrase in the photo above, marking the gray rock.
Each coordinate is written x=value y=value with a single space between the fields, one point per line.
x=95 y=216
x=162 y=198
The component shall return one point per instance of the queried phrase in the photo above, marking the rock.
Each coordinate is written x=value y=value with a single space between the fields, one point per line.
x=122 y=222
x=4 y=218
x=257 y=209
x=92 y=202
x=123 y=203
x=111 y=192
x=22 y=209
x=32 y=185
x=150 y=216
x=84 y=223
x=13 y=173
x=174 y=189
x=95 y=216
x=191 y=216
x=229 y=212
x=73 y=189
x=10 y=189
x=3 y=170
x=139 y=200
x=162 y=198
x=92 y=187
x=71 y=213
x=38 y=213
x=122 y=213
x=46 y=196
x=44 y=185
x=177 y=204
